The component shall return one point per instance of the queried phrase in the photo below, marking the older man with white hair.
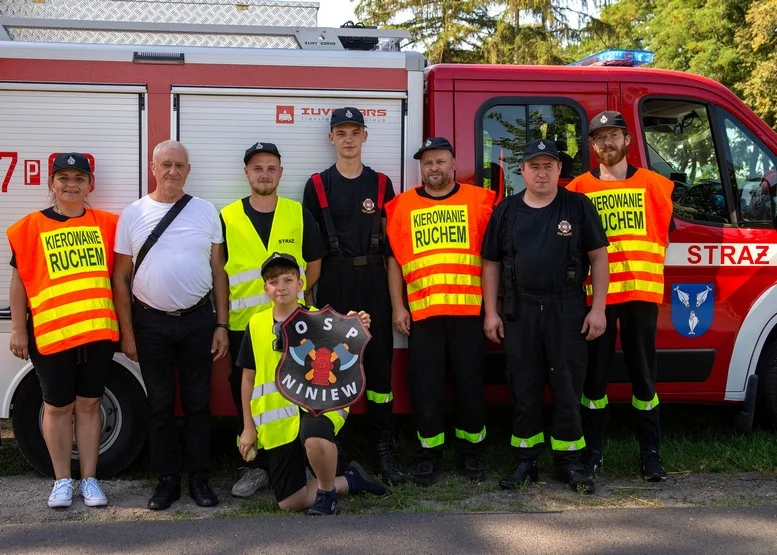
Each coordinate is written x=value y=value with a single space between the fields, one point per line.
x=163 y=302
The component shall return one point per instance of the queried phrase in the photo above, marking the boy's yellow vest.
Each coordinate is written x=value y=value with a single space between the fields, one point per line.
x=276 y=418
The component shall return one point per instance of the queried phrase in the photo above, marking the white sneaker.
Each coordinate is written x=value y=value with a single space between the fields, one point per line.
x=62 y=493
x=92 y=493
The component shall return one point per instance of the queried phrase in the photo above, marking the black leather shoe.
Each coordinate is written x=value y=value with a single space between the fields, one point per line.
x=522 y=471
x=426 y=473
x=473 y=468
x=200 y=491
x=168 y=490
x=579 y=479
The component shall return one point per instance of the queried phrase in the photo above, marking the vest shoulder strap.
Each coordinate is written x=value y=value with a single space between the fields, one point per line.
x=318 y=185
x=376 y=231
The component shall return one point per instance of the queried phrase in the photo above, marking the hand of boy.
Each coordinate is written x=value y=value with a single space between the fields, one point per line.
x=363 y=316
x=247 y=444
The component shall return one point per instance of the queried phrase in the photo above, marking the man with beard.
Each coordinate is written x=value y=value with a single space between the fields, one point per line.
x=435 y=232
x=347 y=200
x=255 y=227
x=544 y=240
x=635 y=206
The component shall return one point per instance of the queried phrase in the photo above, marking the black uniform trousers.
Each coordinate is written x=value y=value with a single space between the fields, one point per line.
x=165 y=342
x=544 y=345
x=346 y=287
x=638 y=323
x=461 y=338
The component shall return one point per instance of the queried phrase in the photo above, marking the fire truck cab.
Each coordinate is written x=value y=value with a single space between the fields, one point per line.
x=114 y=102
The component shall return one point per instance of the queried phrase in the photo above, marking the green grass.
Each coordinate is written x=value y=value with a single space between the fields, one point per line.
x=695 y=439
x=12 y=462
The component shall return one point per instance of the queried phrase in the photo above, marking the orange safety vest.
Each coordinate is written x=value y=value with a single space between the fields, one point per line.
x=636 y=214
x=66 y=271
x=437 y=244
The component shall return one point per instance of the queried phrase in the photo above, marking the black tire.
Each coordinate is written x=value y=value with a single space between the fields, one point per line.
x=766 y=400
x=124 y=424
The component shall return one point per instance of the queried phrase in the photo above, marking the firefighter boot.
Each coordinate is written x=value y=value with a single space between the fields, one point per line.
x=579 y=479
x=386 y=460
x=524 y=470
x=592 y=460
x=652 y=466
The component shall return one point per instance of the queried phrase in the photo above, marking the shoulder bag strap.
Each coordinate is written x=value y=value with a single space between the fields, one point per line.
x=163 y=224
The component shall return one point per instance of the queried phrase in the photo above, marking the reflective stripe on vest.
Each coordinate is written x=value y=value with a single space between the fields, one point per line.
x=437 y=244
x=276 y=414
x=276 y=418
x=636 y=213
x=65 y=268
x=246 y=252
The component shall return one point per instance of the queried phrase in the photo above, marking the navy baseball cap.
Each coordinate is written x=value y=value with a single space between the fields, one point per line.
x=346 y=115
x=74 y=160
x=279 y=259
x=260 y=147
x=609 y=118
x=434 y=143
x=540 y=147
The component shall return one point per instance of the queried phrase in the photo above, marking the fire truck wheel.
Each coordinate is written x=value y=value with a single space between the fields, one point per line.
x=766 y=403
x=123 y=417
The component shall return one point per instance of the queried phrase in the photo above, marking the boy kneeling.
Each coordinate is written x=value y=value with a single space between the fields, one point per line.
x=273 y=423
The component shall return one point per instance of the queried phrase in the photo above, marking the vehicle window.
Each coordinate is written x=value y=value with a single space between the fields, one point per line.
x=753 y=172
x=680 y=147
x=507 y=129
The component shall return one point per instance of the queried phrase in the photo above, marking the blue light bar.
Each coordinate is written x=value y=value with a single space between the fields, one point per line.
x=624 y=58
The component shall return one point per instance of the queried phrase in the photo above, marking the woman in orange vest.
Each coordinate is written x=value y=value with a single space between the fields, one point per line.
x=63 y=318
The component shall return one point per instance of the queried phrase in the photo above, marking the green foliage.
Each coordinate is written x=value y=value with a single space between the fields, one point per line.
x=731 y=41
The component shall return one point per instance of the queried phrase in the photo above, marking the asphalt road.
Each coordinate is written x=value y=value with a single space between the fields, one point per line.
x=692 y=531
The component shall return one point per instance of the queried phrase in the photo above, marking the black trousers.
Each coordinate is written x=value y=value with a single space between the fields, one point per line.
x=638 y=322
x=461 y=338
x=544 y=345
x=347 y=288
x=165 y=342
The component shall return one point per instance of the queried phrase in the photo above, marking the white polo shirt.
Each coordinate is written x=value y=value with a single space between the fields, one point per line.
x=176 y=272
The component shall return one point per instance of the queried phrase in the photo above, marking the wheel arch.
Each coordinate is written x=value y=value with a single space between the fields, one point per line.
x=758 y=329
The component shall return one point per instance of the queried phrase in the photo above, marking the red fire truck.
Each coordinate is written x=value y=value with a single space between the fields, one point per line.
x=717 y=325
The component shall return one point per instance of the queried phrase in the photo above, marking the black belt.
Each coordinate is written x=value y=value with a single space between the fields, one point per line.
x=202 y=302
x=357 y=261
x=572 y=292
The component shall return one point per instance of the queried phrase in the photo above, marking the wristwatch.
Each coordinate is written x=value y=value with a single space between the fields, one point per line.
x=226 y=327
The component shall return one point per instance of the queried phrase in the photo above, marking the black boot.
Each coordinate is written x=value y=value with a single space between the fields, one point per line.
x=386 y=460
x=522 y=471
x=652 y=466
x=592 y=459
x=579 y=478
x=473 y=468
x=168 y=490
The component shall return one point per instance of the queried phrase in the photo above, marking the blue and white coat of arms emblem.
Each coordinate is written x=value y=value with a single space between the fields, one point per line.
x=693 y=308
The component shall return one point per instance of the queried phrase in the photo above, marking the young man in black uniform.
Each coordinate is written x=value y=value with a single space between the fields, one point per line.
x=347 y=201
x=543 y=239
